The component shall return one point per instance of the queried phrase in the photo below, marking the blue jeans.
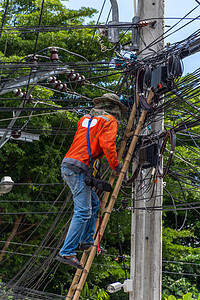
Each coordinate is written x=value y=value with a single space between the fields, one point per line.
x=86 y=206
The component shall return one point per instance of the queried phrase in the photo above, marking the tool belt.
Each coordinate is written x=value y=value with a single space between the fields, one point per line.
x=92 y=177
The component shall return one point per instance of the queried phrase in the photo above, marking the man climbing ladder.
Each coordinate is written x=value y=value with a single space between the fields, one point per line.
x=94 y=138
x=80 y=277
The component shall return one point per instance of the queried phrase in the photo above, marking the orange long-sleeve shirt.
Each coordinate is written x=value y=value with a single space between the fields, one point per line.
x=102 y=134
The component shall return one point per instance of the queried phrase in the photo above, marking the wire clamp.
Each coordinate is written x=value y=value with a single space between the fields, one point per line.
x=164 y=184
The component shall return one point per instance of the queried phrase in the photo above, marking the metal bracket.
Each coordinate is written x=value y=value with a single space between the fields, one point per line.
x=113 y=32
x=135 y=34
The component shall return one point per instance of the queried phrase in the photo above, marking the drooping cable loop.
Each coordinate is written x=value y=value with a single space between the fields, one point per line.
x=143 y=76
x=170 y=134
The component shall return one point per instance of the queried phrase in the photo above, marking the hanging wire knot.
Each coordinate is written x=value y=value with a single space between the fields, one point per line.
x=103 y=47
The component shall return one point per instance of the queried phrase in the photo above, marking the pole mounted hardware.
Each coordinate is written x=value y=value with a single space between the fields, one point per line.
x=6 y=185
x=191 y=49
x=32 y=79
x=148 y=155
x=135 y=34
x=19 y=135
x=113 y=31
x=116 y=286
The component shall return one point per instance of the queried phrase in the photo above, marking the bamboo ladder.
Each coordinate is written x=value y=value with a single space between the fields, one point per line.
x=81 y=275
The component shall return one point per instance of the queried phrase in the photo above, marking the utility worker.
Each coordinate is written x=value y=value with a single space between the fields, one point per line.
x=75 y=165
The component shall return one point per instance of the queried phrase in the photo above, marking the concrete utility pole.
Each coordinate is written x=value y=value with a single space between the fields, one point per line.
x=146 y=252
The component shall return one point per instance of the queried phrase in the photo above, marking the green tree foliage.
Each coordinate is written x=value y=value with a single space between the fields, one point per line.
x=187 y=296
x=94 y=293
x=38 y=163
x=181 y=247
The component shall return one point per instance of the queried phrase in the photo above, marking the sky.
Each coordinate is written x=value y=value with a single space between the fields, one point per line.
x=173 y=8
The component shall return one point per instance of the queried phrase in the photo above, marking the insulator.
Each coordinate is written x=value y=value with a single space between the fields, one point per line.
x=16 y=133
x=57 y=84
x=124 y=203
x=52 y=79
x=81 y=79
x=54 y=55
x=68 y=71
x=153 y=24
x=17 y=92
x=60 y=87
x=34 y=63
x=30 y=99
x=23 y=95
x=75 y=77
x=64 y=87
x=70 y=74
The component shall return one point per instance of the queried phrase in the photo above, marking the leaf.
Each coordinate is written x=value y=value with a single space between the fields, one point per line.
x=171 y=298
x=188 y=296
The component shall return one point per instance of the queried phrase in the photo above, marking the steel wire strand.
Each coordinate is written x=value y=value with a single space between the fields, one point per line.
x=4 y=17
x=41 y=268
x=185 y=144
x=100 y=13
x=164 y=35
x=44 y=264
x=39 y=225
x=167 y=105
x=161 y=56
x=35 y=29
x=39 y=194
x=173 y=187
x=21 y=293
x=24 y=268
x=48 y=236
x=186 y=211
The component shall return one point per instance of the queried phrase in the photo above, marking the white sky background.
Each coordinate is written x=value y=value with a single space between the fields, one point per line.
x=173 y=8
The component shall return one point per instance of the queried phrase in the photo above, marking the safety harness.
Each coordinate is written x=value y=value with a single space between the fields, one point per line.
x=94 y=169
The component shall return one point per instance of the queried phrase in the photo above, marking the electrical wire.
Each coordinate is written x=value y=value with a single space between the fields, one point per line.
x=190 y=120
x=4 y=17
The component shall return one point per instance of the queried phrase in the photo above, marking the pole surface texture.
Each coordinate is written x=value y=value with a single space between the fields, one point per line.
x=146 y=248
